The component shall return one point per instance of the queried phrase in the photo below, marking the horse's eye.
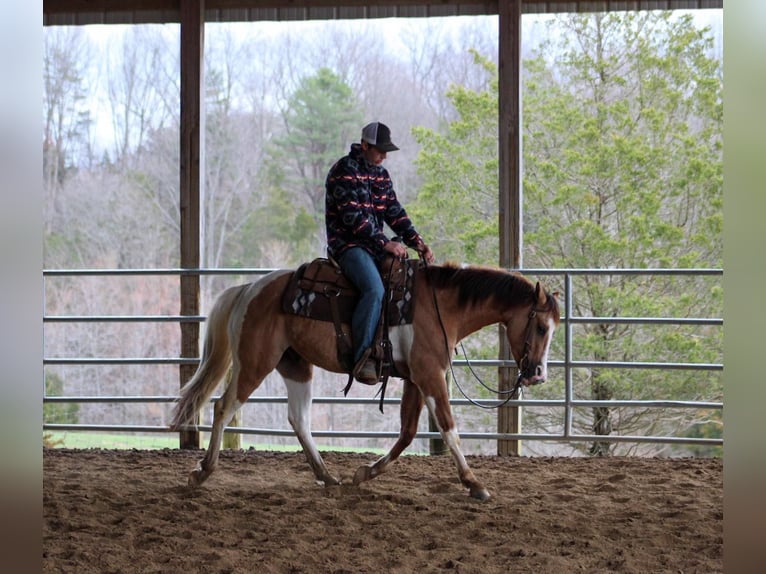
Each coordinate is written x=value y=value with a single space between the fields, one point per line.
x=542 y=330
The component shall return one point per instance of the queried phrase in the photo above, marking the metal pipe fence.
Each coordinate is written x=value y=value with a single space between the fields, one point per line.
x=568 y=364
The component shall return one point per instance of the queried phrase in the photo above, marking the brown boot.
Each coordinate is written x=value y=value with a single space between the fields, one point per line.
x=366 y=370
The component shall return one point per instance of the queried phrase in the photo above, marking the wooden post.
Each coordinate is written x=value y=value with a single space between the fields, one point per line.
x=510 y=200
x=192 y=43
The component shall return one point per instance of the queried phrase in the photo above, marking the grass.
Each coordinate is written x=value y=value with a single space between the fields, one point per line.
x=88 y=439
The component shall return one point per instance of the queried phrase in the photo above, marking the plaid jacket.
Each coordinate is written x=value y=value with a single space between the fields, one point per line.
x=359 y=199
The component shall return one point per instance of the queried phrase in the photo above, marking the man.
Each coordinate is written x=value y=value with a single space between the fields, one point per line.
x=359 y=199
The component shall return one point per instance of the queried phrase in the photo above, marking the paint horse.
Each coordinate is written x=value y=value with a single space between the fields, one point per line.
x=249 y=332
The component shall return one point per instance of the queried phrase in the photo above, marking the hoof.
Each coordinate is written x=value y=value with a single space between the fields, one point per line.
x=197 y=476
x=330 y=481
x=362 y=474
x=480 y=493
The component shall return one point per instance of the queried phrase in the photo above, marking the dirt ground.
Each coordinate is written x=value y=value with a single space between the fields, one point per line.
x=110 y=511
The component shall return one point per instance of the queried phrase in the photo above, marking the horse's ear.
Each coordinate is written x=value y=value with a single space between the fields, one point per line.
x=539 y=292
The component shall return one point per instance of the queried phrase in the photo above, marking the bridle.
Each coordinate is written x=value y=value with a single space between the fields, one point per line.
x=522 y=363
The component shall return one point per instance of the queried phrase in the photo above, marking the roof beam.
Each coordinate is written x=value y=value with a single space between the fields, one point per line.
x=78 y=12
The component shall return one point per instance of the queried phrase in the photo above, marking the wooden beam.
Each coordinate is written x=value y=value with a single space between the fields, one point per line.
x=192 y=45
x=510 y=199
x=529 y=6
x=255 y=4
x=78 y=6
x=106 y=6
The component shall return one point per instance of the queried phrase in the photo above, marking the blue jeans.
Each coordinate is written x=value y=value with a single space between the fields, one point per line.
x=360 y=268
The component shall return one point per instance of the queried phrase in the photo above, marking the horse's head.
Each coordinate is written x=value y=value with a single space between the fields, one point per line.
x=530 y=340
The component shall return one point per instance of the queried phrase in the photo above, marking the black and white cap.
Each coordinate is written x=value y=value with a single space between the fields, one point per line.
x=378 y=135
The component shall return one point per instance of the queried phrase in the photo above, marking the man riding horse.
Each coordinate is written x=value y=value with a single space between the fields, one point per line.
x=359 y=199
x=249 y=333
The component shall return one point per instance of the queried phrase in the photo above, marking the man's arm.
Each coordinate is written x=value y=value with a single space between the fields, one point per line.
x=400 y=222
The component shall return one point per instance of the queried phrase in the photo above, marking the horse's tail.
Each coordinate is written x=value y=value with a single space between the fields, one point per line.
x=216 y=356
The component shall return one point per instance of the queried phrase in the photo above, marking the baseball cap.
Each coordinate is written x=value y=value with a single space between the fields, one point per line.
x=378 y=135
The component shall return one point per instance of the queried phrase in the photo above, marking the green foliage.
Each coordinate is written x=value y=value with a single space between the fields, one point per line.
x=61 y=413
x=628 y=161
x=322 y=117
x=279 y=222
x=710 y=427
x=456 y=207
x=622 y=156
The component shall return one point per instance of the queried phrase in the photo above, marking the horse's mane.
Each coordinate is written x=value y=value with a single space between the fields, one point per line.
x=477 y=284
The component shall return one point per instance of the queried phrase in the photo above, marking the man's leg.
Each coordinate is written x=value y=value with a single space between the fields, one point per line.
x=360 y=268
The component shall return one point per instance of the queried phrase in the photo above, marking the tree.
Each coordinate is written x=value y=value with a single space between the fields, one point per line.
x=457 y=203
x=622 y=169
x=139 y=90
x=105 y=218
x=123 y=211
x=622 y=160
x=321 y=118
x=234 y=153
x=66 y=117
x=116 y=212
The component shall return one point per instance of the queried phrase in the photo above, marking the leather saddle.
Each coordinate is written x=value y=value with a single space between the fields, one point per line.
x=319 y=290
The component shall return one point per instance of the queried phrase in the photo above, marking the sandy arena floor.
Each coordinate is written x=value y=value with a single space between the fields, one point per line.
x=130 y=511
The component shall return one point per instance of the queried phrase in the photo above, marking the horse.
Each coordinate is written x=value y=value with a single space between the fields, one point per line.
x=249 y=332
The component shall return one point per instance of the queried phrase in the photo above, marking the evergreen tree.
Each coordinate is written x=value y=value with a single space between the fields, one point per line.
x=622 y=169
x=457 y=204
x=322 y=118
x=61 y=413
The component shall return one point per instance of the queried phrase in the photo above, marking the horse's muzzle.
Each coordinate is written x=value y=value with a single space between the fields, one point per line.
x=530 y=377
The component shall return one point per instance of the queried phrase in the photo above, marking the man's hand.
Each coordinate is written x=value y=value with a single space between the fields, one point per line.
x=425 y=253
x=396 y=249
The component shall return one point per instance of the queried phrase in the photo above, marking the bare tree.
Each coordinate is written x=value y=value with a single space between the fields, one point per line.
x=66 y=115
x=439 y=56
x=237 y=134
x=139 y=93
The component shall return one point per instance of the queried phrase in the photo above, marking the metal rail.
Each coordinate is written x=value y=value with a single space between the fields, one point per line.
x=568 y=364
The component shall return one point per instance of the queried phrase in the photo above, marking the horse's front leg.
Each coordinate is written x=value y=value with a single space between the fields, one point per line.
x=437 y=401
x=411 y=405
x=299 y=398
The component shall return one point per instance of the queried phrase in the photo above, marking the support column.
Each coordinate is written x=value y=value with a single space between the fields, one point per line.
x=510 y=200
x=192 y=45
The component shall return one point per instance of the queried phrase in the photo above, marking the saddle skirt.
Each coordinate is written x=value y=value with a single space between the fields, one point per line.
x=319 y=290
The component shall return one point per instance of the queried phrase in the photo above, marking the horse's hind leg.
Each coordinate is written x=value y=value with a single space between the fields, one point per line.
x=225 y=408
x=248 y=371
x=411 y=406
x=297 y=376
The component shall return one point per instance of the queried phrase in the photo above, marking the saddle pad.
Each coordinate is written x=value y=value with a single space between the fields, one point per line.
x=314 y=285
